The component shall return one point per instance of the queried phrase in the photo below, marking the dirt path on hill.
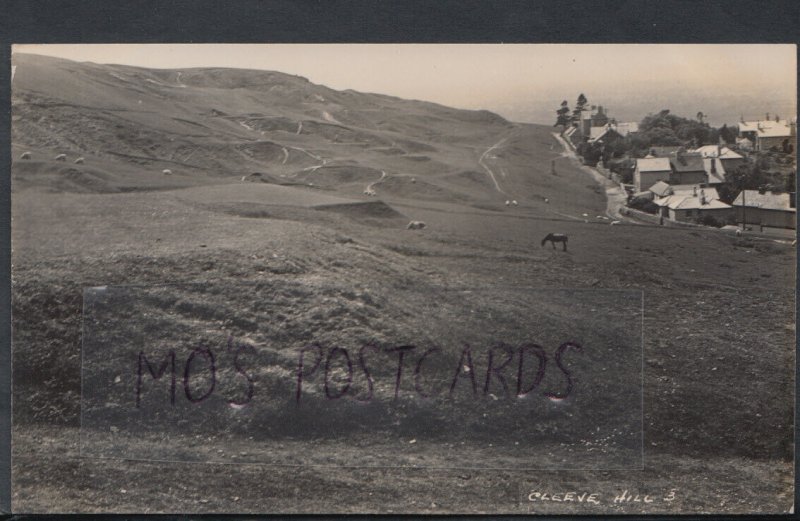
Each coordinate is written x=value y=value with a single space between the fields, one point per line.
x=370 y=189
x=615 y=195
x=489 y=170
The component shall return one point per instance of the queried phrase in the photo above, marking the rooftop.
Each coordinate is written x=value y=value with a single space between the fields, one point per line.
x=715 y=170
x=697 y=203
x=766 y=201
x=664 y=151
x=678 y=193
x=626 y=128
x=653 y=164
x=687 y=162
x=767 y=128
x=701 y=199
x=717 y=151
x=661 y=189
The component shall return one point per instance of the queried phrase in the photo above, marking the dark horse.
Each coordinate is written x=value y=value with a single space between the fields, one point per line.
x=554 y=238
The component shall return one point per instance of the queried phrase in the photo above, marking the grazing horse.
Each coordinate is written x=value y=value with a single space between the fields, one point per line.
x=554 y=238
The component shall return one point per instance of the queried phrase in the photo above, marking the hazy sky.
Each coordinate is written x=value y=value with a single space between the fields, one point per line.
x=520 y=81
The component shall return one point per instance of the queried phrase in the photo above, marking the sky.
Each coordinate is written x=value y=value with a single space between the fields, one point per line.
x=523 y=82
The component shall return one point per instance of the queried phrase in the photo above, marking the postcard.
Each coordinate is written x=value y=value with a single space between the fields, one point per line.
x=403 y=278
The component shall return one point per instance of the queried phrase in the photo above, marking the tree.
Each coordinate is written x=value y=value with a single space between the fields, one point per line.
x=727 y=134
x=748 y=176
x=580 y=106
x=562 y=113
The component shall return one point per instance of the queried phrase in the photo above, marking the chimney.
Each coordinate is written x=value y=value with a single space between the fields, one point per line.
x=702 y=197
x=713 y=165
x=767 y=116
x=694 y=191
x=719 y=150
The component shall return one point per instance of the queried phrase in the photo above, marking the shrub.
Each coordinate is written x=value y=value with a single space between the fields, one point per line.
x=710 y=220
x=643 y=205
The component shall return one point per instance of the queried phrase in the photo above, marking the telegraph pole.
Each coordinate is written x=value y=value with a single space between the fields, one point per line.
x=744 y=210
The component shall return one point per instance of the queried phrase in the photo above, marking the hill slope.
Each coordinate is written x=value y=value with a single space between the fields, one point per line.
x=218 y=123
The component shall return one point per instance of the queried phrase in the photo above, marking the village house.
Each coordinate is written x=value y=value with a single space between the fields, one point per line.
x=604 y=134
x=687 y=169
x=612 y=131
x=691 y=203
x=625 y=128
x=730 y=160
x=776 y=210
x=649 y=171
x=769 y=133
x=744 y=144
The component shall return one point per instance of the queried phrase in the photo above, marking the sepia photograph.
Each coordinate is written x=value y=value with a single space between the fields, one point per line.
x=403 y=278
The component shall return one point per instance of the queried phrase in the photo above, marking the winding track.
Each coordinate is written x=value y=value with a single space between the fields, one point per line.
x=489 y=170
x=615 y=196
x=371 y=187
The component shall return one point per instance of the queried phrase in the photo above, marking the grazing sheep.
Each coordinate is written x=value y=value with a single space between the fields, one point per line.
x=25 y=155
x=61 y=157
x=415 y=225
x=515 y=203
x=614 y=223
x=243 y=178
x=546 y=200
x=79 y=161
x=413 y=180
x=166 y=171
x=738 y=232
x=508 y=203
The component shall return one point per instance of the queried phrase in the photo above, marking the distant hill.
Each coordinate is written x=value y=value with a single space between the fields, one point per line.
x=211 y=123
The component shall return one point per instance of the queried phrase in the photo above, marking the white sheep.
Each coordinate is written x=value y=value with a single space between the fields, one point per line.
x=415 y=225
x=546 y=200
x=166 y=171
x=79 y=161
x=25 y=155
x=508 y=203
x=61 y=157
x=614 y=223
x=515 y=203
